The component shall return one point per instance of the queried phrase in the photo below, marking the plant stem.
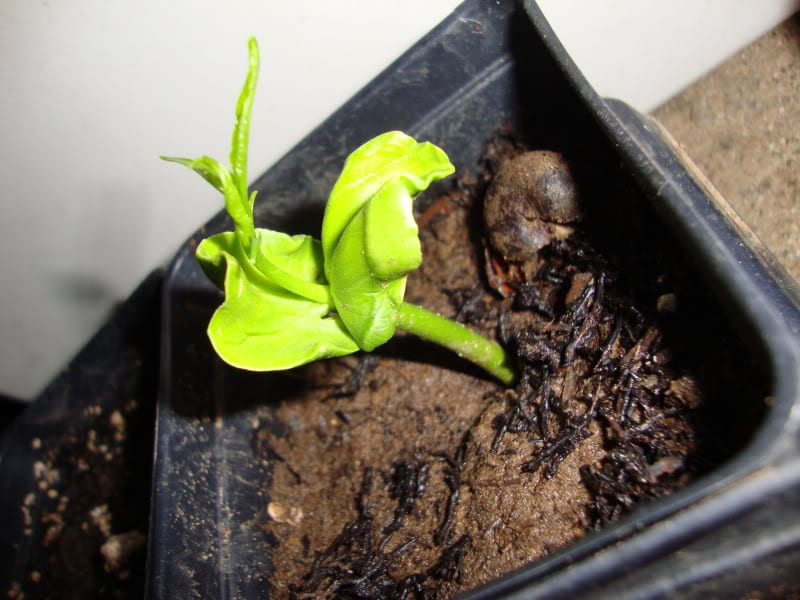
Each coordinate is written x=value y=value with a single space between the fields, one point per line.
x=466 y=343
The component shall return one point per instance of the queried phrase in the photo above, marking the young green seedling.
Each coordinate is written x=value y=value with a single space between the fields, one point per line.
x=290 y=300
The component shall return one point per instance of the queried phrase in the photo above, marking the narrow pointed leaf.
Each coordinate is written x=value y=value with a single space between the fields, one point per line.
x=241 y=130
x=220 y=177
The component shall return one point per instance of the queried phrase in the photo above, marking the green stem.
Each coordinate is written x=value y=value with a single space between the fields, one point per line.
x=268 y=274
x=267 y=271
x=466 y=343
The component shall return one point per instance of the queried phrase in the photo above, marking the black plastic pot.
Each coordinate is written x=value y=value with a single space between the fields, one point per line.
x=44 y=551
x=490 y=64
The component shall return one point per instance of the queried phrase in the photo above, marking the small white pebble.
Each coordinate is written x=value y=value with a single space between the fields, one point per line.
x=283 y=514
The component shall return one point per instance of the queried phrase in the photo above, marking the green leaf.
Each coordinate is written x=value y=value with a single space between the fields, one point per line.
x=391 y=234
x=233 y=183
x=211 y=254
x=390 y=156
x=300 y=255
x=262 y=327
x=208 y=168
x=215 y=173
x=241 y=130
x=366 y=304
x=293 y=262
x=372 y=236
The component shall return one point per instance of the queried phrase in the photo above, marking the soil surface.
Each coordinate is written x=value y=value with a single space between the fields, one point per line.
x=407 y=473
x=86 y=521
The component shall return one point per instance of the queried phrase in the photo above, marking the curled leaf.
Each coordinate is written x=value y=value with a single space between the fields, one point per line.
x=391 y=234
x=367 y=305
x=390 y=156
x=373 y=239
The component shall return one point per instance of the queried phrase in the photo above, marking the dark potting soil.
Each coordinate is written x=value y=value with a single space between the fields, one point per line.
x=86 y=520
x=407 y=473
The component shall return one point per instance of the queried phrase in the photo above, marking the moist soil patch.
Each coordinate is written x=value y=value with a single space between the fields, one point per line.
x=407 y=473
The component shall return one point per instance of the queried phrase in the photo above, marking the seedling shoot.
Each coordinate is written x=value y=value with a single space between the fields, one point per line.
x=292 y=299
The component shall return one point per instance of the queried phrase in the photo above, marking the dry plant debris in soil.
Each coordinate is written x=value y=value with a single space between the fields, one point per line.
x=403 y=474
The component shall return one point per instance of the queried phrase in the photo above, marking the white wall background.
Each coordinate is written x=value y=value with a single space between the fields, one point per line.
x=94 y=90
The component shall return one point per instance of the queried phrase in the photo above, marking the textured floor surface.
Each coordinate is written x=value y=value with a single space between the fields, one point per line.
x=741 y=126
